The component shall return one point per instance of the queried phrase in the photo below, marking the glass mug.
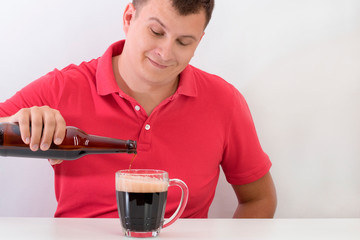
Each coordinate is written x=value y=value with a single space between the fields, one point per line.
x=141 y=198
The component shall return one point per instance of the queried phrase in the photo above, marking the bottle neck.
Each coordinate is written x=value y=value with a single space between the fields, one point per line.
x=103 y=143
x=1 y=136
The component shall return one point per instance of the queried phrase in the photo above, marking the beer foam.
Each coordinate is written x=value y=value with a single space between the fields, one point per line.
x=140 y=184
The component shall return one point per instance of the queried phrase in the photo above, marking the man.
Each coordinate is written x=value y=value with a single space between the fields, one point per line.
x=185 y=121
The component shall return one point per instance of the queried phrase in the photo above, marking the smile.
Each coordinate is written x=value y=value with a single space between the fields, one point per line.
x=157 y=64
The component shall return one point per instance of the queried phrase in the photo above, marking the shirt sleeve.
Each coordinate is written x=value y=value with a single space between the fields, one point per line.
x=244 y=160
x=43 y=91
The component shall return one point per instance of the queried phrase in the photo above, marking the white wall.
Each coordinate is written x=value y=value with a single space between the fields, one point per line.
x=295 y=61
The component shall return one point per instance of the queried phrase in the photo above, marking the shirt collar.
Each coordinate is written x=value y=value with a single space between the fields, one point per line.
x=106 y=82
x=105 y=78
x=187 y=83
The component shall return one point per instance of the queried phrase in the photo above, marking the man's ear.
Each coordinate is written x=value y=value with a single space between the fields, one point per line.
x=202 y=35
x=129 y=14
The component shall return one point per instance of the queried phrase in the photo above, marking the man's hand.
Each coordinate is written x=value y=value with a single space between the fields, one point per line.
x=46 y=126
x=55 y=161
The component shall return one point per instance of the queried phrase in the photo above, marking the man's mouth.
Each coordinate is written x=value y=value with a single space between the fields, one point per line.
x=156 y=64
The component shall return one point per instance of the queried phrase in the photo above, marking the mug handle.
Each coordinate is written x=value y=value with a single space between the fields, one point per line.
x=183 y=201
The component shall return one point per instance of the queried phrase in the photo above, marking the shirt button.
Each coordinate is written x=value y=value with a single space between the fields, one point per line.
x=137 y=108
x=147 y=127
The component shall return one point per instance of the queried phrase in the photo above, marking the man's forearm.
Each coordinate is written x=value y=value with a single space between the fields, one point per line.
x=256 y=209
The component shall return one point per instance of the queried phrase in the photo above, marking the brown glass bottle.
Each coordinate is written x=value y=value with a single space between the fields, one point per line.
x=75 y=145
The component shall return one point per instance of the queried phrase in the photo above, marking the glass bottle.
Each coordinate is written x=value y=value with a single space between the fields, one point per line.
x=76 y=144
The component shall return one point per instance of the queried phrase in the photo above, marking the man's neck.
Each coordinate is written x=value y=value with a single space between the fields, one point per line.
x=148 y=96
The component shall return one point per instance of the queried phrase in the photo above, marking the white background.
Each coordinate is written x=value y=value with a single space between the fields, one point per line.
x=297 y=62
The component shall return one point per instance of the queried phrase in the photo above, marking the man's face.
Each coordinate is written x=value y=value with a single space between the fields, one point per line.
x=159 y=42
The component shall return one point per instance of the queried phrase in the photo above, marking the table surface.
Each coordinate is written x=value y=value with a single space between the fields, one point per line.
x=249 y=229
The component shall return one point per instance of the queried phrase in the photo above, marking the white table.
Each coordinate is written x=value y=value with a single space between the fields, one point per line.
x=224 y=229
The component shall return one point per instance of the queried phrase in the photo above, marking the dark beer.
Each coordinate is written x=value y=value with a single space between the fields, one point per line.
x=76 y=144
x=141 y=198
x=141 y=212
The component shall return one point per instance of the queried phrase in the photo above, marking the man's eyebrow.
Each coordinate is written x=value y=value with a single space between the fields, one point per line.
x=158 y=20
x=164 y=26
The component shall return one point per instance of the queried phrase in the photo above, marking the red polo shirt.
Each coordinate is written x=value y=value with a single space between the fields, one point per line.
x=204 y=125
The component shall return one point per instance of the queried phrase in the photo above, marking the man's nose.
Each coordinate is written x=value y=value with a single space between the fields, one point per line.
x=166 y=50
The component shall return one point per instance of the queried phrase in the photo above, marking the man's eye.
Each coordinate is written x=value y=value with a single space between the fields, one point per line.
x=182 y=43
x=156 y=33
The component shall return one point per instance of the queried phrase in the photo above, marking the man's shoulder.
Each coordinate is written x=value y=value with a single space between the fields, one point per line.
x=88 y=67
x=201 y=73
x=74 y=74
x=209 y=81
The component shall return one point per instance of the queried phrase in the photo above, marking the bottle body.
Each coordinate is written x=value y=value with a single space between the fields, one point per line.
x=75 y=145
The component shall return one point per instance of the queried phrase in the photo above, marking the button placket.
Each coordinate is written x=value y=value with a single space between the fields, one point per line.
x=139 y=112
x=146 y=129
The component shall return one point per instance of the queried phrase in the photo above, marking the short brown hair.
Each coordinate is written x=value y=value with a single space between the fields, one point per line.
x=187 y=7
